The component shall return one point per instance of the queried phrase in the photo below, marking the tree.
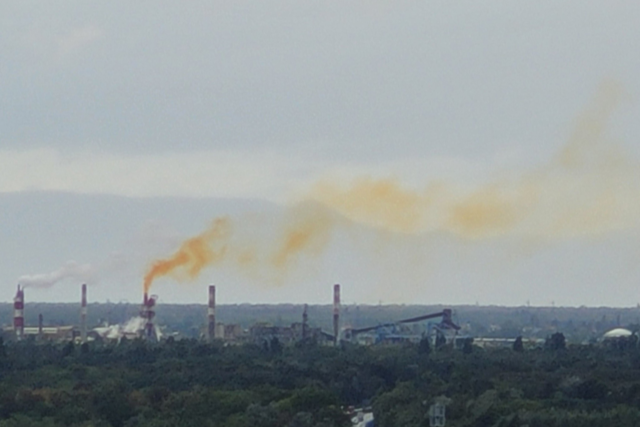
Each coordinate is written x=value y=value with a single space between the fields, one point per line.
x=425 y=346
x=110 y=401
x=275 y=346
x=467 y=346
x=266 y=416
x=84 y=348
x=518 y=347
x=400 y=407
x=68 y=349
x=440 y=340
x=556 y=342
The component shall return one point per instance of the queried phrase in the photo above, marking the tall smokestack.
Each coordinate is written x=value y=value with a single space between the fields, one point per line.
x=336 y=313
x=144 y=311
x=211 y=314
x=18 y=314
x=40 y=327
x=305 y=322
x=83 y=314
x=148 y=313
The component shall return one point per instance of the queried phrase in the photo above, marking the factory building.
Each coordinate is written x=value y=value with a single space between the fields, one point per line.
x=231 y=332
x=18 y=331
x=261 y=332
x=47 y=333
x=143 y=326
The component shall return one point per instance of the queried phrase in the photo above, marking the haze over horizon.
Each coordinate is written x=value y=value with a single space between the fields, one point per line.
x=415 y=153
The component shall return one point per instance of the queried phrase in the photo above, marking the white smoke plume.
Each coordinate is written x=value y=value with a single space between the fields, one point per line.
x=70 y=270
x=117 y=264
x=133 y=327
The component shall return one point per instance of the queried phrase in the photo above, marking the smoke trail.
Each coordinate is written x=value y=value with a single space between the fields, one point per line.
x=252 y=250
x=589 y=188
x=308 y=230
x=194 y=254
x=70 y=270
x=587 y=143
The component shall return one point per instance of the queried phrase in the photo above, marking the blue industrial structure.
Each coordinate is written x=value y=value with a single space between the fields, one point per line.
x=403 y=330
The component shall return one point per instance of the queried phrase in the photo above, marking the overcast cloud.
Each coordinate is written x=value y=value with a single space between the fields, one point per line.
x=259 y=100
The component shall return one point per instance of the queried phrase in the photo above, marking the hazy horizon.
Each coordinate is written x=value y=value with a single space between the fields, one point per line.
x=434 y=153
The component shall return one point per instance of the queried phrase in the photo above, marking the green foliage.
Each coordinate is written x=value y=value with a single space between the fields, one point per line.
x=400 y=407
x=424 y=347
x=189 y=383
x=467 y=346
x=518 y=347
x=556 y=342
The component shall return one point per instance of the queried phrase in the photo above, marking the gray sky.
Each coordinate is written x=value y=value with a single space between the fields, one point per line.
x=260 y=100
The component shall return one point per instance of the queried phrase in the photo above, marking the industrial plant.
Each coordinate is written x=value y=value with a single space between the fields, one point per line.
x=437 y=327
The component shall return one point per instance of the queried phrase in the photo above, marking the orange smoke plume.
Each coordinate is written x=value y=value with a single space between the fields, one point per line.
x=308 y=230
x=194 y=254
x=305 y=229
x=589 y=188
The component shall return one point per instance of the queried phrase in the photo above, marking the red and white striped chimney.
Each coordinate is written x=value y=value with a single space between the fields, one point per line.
x=336 y=313
x=148 y=314
x=211 y=314
x=83 y=314
x=18 y=314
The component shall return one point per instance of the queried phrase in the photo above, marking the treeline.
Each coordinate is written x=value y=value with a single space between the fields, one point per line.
x=176 y=383
x=579 y=324
x=554 y=386
x=190 y=383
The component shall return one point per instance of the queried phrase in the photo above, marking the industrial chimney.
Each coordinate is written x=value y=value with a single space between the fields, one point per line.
x=18 y=314
x=305 y=322
x=211 y=314
x=147 y=312
x=40 y=327
x=83 y=314
x=336 y=313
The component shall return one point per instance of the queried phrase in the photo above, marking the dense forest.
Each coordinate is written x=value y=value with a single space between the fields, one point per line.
x=190 y=383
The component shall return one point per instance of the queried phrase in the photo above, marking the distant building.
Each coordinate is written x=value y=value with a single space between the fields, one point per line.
x=362 y=417
x=261 y=332
x=230 y=332
x=620 y=338
x=617 y=333
x=506 y=342
x=47 y=333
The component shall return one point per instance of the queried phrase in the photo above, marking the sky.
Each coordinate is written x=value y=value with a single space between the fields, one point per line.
x=453 y=152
